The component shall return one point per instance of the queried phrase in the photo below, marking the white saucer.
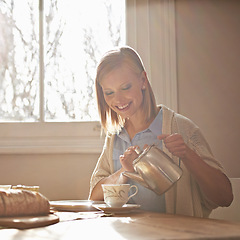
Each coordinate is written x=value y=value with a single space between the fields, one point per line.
x=72 y=205
x=124 y=209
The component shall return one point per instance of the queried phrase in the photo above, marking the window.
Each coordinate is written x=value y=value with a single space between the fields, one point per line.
x=149 y=29
x=49 y=50
x=50 y=53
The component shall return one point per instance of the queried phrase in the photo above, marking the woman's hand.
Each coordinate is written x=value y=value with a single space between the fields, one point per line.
x=127 y=158
x=215 y=185
x=175 y=144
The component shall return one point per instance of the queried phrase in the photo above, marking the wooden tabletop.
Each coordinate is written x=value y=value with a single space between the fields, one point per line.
x=138 y=225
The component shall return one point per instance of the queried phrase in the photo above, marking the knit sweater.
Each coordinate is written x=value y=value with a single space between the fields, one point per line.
x=185 y=197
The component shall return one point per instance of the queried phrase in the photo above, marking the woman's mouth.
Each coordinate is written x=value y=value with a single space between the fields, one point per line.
x=123 y=107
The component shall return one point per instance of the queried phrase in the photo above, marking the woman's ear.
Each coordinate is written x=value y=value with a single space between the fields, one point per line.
x=144 y=79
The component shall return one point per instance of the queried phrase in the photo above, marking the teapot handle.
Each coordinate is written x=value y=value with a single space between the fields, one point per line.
x=138 y=150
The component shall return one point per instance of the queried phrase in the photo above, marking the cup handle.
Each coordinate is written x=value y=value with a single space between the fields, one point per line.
x=136 y=188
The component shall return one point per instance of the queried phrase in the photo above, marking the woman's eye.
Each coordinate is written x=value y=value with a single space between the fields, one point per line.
x=108 y=93
x=127 y=87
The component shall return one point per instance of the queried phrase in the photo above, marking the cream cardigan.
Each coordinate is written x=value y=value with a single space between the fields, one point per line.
x=185 y=197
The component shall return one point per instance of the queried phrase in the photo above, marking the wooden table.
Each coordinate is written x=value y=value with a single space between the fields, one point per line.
x=138 y=225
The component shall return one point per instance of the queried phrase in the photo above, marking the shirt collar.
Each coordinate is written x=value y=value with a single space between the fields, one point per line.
x=124 y=135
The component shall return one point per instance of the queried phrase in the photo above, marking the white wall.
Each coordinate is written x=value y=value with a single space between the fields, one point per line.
x=64 y=176
x=208 y=73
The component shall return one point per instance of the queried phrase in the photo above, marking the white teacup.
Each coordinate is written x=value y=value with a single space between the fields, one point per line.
x=116 y=195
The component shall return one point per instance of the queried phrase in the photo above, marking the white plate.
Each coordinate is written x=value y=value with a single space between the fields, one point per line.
x=72 y=205
x=124 y=209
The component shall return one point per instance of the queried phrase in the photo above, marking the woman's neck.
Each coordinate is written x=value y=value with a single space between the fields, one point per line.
x=134 y=127
x=137 y=124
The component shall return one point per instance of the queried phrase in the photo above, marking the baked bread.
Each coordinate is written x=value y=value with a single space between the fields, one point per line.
x=15 y=202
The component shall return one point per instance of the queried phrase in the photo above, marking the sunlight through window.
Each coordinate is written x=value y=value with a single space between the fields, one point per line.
x=74 y=36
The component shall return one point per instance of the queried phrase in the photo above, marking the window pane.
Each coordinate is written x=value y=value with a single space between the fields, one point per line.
x=19 y=60
x=77 y=33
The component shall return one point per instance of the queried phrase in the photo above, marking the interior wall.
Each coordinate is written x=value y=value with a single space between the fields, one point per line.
x=208 y=57
x=208 y=73
x=60 y=176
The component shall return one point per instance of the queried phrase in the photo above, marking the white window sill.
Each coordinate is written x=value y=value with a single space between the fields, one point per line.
x=51 y=145
x=50 y=138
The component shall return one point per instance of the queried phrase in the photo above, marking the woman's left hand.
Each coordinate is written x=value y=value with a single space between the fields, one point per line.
x=215 y=185
x=175 y=144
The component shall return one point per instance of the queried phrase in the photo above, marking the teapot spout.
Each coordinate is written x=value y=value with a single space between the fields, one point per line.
x=135 y=177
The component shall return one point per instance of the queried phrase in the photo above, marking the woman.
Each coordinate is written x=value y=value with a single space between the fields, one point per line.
x=131 y=118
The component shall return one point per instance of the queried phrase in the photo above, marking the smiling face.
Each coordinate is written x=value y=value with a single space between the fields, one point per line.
x=122 y=89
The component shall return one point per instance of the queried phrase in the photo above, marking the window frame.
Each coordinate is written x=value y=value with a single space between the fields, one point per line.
x=87 y=137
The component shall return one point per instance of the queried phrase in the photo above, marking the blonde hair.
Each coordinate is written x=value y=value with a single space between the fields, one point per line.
x=112 y=60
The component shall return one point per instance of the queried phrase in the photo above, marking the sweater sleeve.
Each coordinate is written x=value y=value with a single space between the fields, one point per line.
x=104 y=164
x=197 y=142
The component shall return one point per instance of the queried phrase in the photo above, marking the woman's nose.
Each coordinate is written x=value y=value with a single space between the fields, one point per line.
x=118 y=97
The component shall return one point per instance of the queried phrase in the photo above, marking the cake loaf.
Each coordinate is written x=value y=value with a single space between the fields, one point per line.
x=15 y=202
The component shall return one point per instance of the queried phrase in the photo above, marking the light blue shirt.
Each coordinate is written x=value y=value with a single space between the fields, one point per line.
x=146 y=198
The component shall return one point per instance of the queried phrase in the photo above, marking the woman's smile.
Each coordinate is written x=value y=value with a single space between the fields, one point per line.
x=124 y=107
x=122 y=90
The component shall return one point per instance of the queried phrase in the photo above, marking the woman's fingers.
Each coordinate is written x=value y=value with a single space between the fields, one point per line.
x=128 y=157
x=163 y=136
x=174 y=143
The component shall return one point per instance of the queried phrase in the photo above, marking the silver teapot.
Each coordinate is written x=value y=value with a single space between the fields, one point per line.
x=155 y=170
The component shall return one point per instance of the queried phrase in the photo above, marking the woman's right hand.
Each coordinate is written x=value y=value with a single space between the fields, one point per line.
x=127 y=158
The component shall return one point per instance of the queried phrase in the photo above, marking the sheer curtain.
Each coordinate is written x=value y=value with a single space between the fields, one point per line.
x=151 y=31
